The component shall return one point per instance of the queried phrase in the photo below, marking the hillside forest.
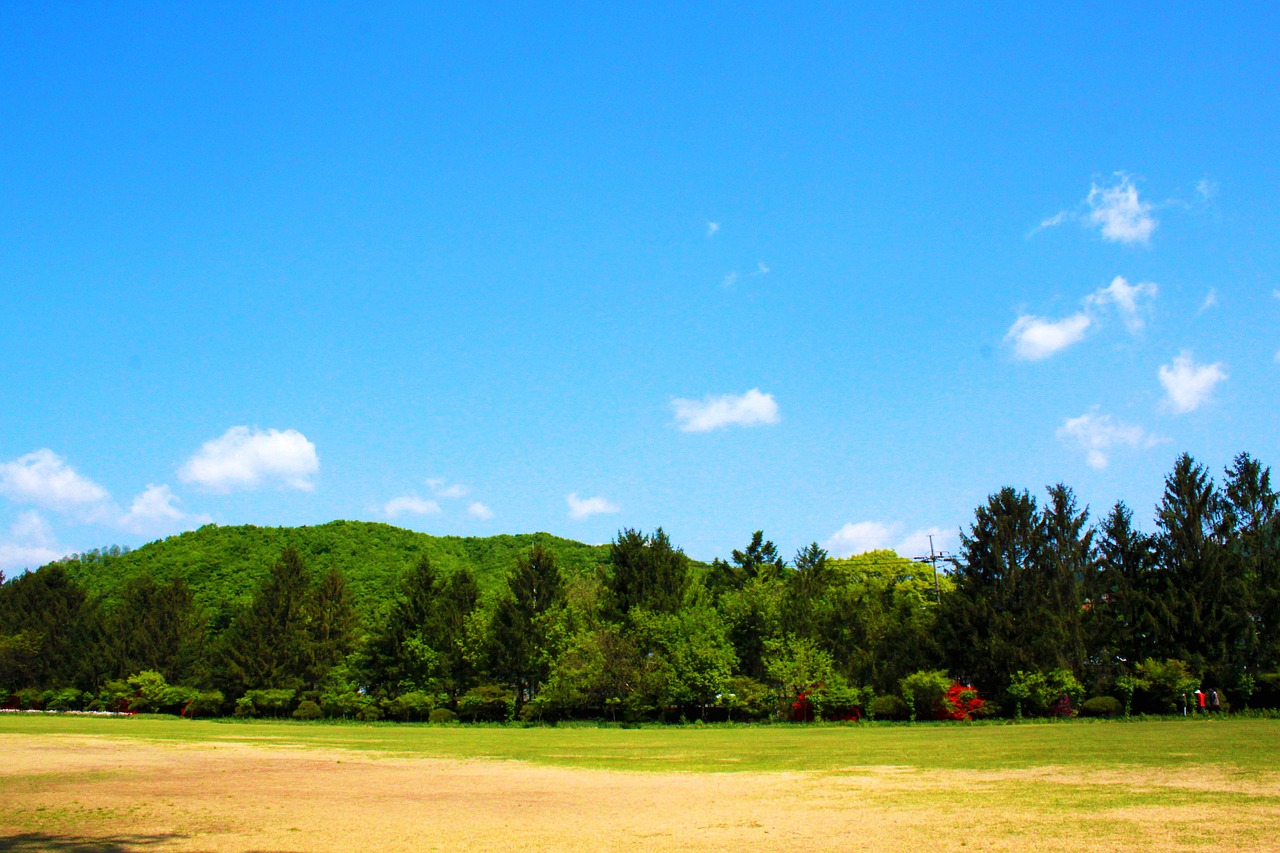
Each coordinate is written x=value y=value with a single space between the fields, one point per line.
x=1045 y=611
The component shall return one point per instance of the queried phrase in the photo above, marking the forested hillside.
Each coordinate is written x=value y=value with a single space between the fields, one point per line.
x=1046 y=611
x=223 y=565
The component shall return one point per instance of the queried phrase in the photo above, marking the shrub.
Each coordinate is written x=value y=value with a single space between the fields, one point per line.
x=888 y=708
x=963 y=702
x=925 y=692
x=1045 y=694
x=747 y=699
x=206 y=703
x=30 y=698
x=271 y=703
x=307 y=710
x=415 y=705
x=1102 y=706
x=345 y=704
x=66 y=699
x=1162 y=685
x=370 y=713
x=442 y=715
x=487 y=702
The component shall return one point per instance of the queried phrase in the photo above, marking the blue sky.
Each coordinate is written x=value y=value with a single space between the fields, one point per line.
x=834 y=273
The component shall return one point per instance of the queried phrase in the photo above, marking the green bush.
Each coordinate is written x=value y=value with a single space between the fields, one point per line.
x=30 y=698
x=307 y=710
x=416 y=705
x=66 y=699
x=745 y=698
x=888 y=707
x=442 y=715
x=265 y=703
x=487 y=702
x=925 y=692
x=346 y=704
x=206 y=703
x=1162 y=685
x=1042 y=694
x=1102 y=706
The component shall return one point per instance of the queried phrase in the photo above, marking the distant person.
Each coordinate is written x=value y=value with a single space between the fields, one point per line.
x=1184 y=704
x=1199 y=700
x=1215 y=702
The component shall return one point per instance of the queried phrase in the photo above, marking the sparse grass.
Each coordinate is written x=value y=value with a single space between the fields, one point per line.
x=236 y=785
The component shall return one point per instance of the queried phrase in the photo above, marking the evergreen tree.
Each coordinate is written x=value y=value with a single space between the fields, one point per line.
x=646 y=572
x=1122 y=618
x=332 y=625
x=50 y=633
x=521 y=622
x=1204 y=590
x=268 y=645
x=157 y=627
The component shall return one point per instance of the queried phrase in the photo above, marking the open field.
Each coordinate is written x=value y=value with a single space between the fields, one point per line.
x=166 y=784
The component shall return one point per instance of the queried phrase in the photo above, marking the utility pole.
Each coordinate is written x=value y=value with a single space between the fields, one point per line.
x=933 y=560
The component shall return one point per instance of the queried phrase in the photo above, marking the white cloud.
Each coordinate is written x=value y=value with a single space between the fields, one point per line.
x=580 y=508
x=1119 y=213
x=1035 y=338
x=480 y=511
x=761 y=269
x=30 y=543
x=409 y=505
x=45 y=479
x=1210 y=300
x=1098 y=435
x=729 y=280
x=1130 y=300
x=244 y=458
x=442 y=489
x=158 y=509
x=1054 y=221
x=716 y=412
x=860 y=537
x=1187 y=384
x=916 y=544
x=1206 y=189
x=712 y=228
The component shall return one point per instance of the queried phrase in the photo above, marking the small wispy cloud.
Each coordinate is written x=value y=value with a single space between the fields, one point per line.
x=1035 y=338
x=409 y=505
x=1210 y=300
x=157 y=509
x=729 y=280
x=712 y=229
x=583 y=508
x=1116 y=210
x=30 y=543
x=1119 y=213
x=1206 y=189
x=1098 y=435
x=726 y=410
x=480 y=511
x=761 y=269
x=1131 y=301
x=445 y=490
x=1189 y=385
x=863 y=536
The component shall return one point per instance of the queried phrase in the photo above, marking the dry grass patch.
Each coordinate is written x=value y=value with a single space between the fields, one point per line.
x=81 y=793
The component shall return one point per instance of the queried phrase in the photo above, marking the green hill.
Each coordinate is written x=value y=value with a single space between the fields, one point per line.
x=223 y=565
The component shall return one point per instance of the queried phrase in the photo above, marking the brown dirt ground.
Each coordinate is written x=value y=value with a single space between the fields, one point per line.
x=81 y=794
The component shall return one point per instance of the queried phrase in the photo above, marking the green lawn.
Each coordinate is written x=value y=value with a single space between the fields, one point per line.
x=1233 y=746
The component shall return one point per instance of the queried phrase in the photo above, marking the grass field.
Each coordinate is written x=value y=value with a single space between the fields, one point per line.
x=70 y=783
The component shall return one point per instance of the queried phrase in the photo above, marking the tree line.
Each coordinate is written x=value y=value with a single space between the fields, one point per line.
x=1044 y=612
